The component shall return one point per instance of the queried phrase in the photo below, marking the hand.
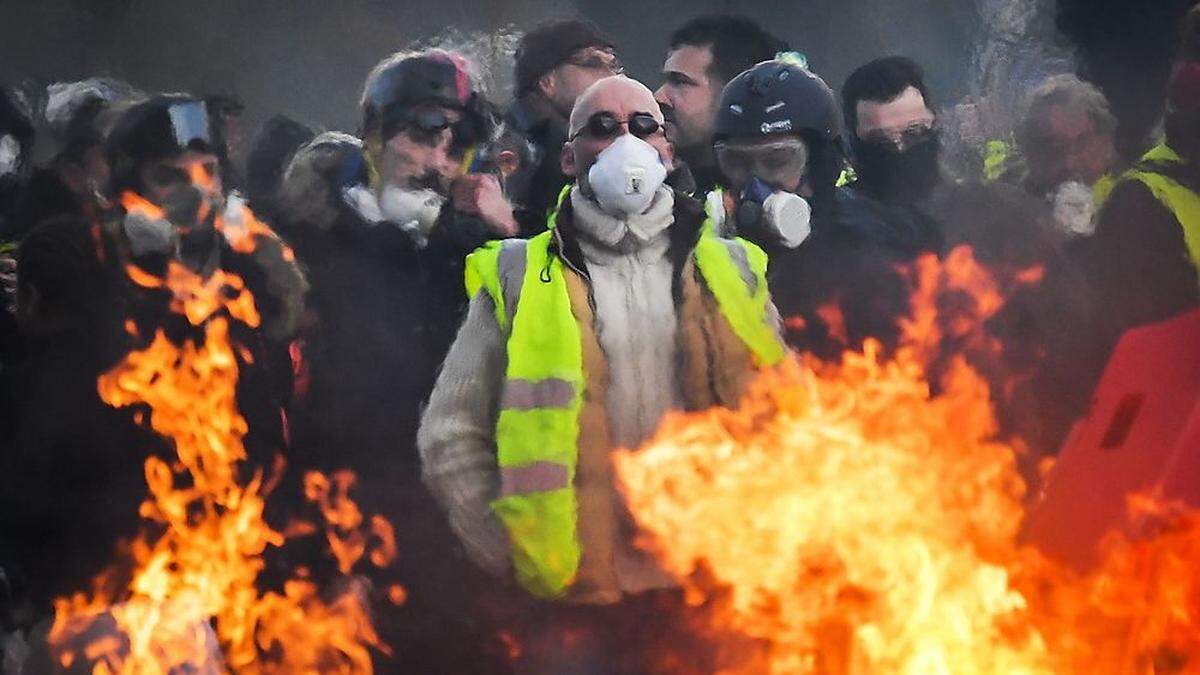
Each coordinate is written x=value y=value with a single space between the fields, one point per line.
x=480 y=195
x=8 y=282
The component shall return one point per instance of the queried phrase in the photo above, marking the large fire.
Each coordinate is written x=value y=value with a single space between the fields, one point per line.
x=193 y=602
x=850 y=518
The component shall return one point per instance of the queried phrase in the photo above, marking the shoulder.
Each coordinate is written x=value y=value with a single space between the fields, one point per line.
x=1131 y=206
x=747 y=258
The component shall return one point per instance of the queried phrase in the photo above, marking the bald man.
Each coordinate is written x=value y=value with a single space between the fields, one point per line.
x=577 y=342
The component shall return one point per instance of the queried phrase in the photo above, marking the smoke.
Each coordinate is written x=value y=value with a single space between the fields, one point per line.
x=490 y=56
x=1018 y=48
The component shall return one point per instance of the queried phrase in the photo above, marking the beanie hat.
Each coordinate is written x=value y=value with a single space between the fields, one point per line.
x=545 y=47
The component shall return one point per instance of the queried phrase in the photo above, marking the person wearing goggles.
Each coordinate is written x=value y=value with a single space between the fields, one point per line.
x=166 y=177
x=423 y=126
x=778 y=149
x=171 y=205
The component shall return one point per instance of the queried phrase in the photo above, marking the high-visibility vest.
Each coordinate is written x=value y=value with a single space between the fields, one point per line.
x=1182 y=201
x=537 y=432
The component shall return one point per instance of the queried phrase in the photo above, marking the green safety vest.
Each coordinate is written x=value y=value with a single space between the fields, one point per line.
x=537 y=431
x=1180 y=200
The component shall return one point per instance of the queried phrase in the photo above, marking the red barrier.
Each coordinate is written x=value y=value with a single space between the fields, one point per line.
x=1142 y=434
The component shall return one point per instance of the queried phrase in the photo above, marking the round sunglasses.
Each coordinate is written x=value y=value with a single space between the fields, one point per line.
x=605 y=125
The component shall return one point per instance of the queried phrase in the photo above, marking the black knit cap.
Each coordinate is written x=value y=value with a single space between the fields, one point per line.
x=545 y=47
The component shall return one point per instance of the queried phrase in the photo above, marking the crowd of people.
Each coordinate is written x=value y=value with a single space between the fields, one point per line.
x=625 y=252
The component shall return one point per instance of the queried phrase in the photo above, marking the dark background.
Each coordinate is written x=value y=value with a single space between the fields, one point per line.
x=309 y=57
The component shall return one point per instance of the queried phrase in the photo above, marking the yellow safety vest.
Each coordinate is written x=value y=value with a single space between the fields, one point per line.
x=1180 y=200
x=537 y=433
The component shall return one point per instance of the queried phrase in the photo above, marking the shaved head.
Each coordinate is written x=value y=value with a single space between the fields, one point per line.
x=619 y=95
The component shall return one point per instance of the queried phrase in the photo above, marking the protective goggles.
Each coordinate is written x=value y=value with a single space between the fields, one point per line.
x=605 y=125
x=777 y=158
x=189 y=123
x=427 y=125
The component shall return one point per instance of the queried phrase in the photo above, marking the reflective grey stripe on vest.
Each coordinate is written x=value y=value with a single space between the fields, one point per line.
x=531 y=395
x=742 y=262
x=536 y=477
x=510 y=269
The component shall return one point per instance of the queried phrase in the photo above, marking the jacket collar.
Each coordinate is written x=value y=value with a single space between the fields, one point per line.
x=684 y=233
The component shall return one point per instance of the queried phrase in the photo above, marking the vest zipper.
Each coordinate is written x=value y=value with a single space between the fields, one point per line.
x=566 y=261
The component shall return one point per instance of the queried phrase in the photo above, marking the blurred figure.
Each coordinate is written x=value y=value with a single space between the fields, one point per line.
x=1066 y=138
x=383 y=224
x=903 y=206
x=555 y=63
x=704 y=54
x=229 y=139
x=578 y=341
x=75 y=182
x=904 y=202
x=777 y=141
x=1144 y=255
x=71 y=475
x=16 y=139
x=16 y=143
x=268 y=158
x=171 y=208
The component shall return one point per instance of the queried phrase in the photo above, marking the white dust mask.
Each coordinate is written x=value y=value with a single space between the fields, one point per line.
x=626 y=176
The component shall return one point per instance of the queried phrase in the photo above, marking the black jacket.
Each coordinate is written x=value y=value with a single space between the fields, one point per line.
x=535 y=188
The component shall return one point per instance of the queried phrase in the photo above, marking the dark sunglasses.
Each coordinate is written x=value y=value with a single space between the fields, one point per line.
x=605 y=125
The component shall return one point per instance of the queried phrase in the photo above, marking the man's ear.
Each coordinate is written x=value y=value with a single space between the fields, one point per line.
x=567 y=160
x=547 y=85
x=667 y=155
x=508 y=162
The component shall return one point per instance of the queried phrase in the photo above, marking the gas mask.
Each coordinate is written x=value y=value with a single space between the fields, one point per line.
x=903 y=173
x=773 y=215
x=626 y=176
x=149 y=236
x=1074 y=209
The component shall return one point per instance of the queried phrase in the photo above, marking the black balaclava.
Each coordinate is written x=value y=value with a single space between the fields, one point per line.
x=899 y=176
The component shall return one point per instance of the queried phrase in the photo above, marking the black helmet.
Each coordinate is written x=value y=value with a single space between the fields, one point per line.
x=434 y=76
x=777 y=97
x=782 y=97
x=163 y=126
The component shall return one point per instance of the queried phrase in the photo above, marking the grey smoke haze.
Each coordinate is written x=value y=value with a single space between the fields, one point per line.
x=309 y=57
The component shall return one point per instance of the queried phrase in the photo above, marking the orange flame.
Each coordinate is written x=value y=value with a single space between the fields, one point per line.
x=845 y=519
x=192 y=604
x=134 y=203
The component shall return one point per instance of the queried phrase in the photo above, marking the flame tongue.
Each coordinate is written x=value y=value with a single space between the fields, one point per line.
x=846 y=520
x=860 y=540
x=193 y=604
